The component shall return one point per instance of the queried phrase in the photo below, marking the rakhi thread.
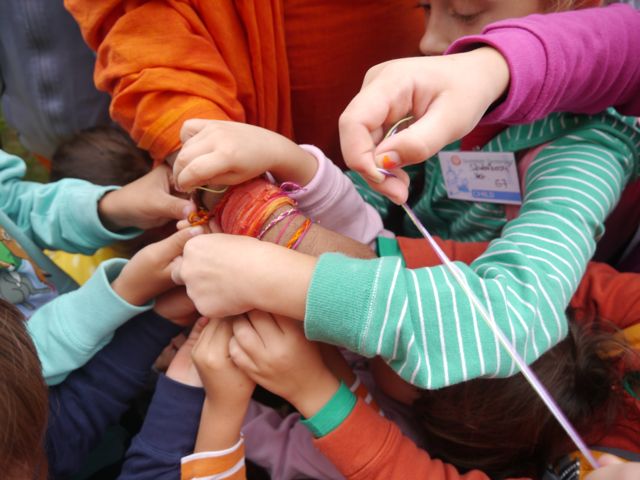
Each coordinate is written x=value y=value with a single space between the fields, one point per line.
x=528 y=373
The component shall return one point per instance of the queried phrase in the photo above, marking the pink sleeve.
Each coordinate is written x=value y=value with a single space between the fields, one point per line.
x=581 y=61
x=283 y=445
x=331 y=200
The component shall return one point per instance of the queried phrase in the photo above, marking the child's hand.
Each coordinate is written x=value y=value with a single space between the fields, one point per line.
x=226 y=385
x=181 y=369
x=148 y=273
x=612 y=468
x=274 y=352
x=228 y=274
x=228 y=389
x=217 y=152
x=144 y=203
x=447 y=96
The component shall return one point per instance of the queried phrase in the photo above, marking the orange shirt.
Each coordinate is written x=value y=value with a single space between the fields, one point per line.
x=286 y=65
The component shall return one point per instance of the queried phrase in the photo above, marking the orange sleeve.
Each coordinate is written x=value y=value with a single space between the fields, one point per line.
x=604 y=294
x=228 y=464
x=165 y=62
x=367 y=446
x=418 y=253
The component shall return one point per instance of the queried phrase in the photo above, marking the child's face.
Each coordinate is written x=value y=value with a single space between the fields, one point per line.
x=447 y=20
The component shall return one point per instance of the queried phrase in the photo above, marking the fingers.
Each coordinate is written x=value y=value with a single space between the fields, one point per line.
x=176 y=270
x=426 y=136
x=207 y=169
x=265 y=326
x=197 y=330
x=246 y=336
x=165 y=251
x=240 y=358
x=191 y=127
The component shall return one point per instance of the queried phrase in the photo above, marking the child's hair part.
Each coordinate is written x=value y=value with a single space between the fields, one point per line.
x=503 y=428
x=100 y=155
x=23 y=399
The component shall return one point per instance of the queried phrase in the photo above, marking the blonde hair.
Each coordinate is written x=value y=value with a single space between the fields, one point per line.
x=563 y=5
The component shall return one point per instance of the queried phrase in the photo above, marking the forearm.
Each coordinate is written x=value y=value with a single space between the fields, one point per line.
x=69 y=330
x=556 y=60
x=220 y=425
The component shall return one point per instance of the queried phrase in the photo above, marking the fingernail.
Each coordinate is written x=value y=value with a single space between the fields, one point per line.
x=388 y=160
x=375 y=177
x=196 y=231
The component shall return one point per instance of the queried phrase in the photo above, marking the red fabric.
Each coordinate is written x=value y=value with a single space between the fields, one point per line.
x=480 y=136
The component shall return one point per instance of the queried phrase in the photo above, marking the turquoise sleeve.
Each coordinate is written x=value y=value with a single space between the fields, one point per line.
x=60 y=215
x=70 y=329
x=334 y=412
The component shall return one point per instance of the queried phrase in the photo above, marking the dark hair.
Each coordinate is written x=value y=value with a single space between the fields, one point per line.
x=100 y=155
x=23 y=399
x=503 y=428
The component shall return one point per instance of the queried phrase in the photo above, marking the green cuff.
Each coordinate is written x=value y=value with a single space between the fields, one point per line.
x=334 y=412
x=389 y=247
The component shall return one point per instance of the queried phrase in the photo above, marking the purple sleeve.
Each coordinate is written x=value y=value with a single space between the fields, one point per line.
x=581 y=61
x=331 y=200
x=283 y=446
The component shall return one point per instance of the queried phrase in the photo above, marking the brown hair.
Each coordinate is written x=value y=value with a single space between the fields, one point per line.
x=23 y=399
x=100 y=155
x=501 y=426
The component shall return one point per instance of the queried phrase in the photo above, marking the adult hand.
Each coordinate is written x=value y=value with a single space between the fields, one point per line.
x=446 y=95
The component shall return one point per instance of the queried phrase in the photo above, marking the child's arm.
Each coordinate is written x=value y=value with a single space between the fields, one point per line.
x=578 y=61
x=355 y=437
x=420 y=320
x=219 y=448
x=229 y=153
x=76 y=216
x=69 y=330
x=171 y=423
x=95 y=396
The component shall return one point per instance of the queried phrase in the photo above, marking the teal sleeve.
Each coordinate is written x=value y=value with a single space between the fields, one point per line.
x=334 y=412
x=60 y=215
x=70 y=329
x=389 y=247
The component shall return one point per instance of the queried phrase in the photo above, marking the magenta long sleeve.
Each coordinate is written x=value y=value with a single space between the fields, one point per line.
x=581 y=61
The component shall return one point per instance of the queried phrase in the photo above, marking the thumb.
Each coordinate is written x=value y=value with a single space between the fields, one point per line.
x=192 y=127
x=424 y=138
x=175 y=207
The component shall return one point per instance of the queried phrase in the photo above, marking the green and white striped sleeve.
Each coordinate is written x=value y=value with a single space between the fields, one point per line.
x=421 y=322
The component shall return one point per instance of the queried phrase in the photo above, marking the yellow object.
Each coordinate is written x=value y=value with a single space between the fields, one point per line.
x=81 y=267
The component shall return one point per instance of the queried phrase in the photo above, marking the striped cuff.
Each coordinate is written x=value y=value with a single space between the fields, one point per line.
x=335 y=411
x=217 y=464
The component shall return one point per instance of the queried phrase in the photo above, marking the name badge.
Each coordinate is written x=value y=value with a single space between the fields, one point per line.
x=481 y=176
